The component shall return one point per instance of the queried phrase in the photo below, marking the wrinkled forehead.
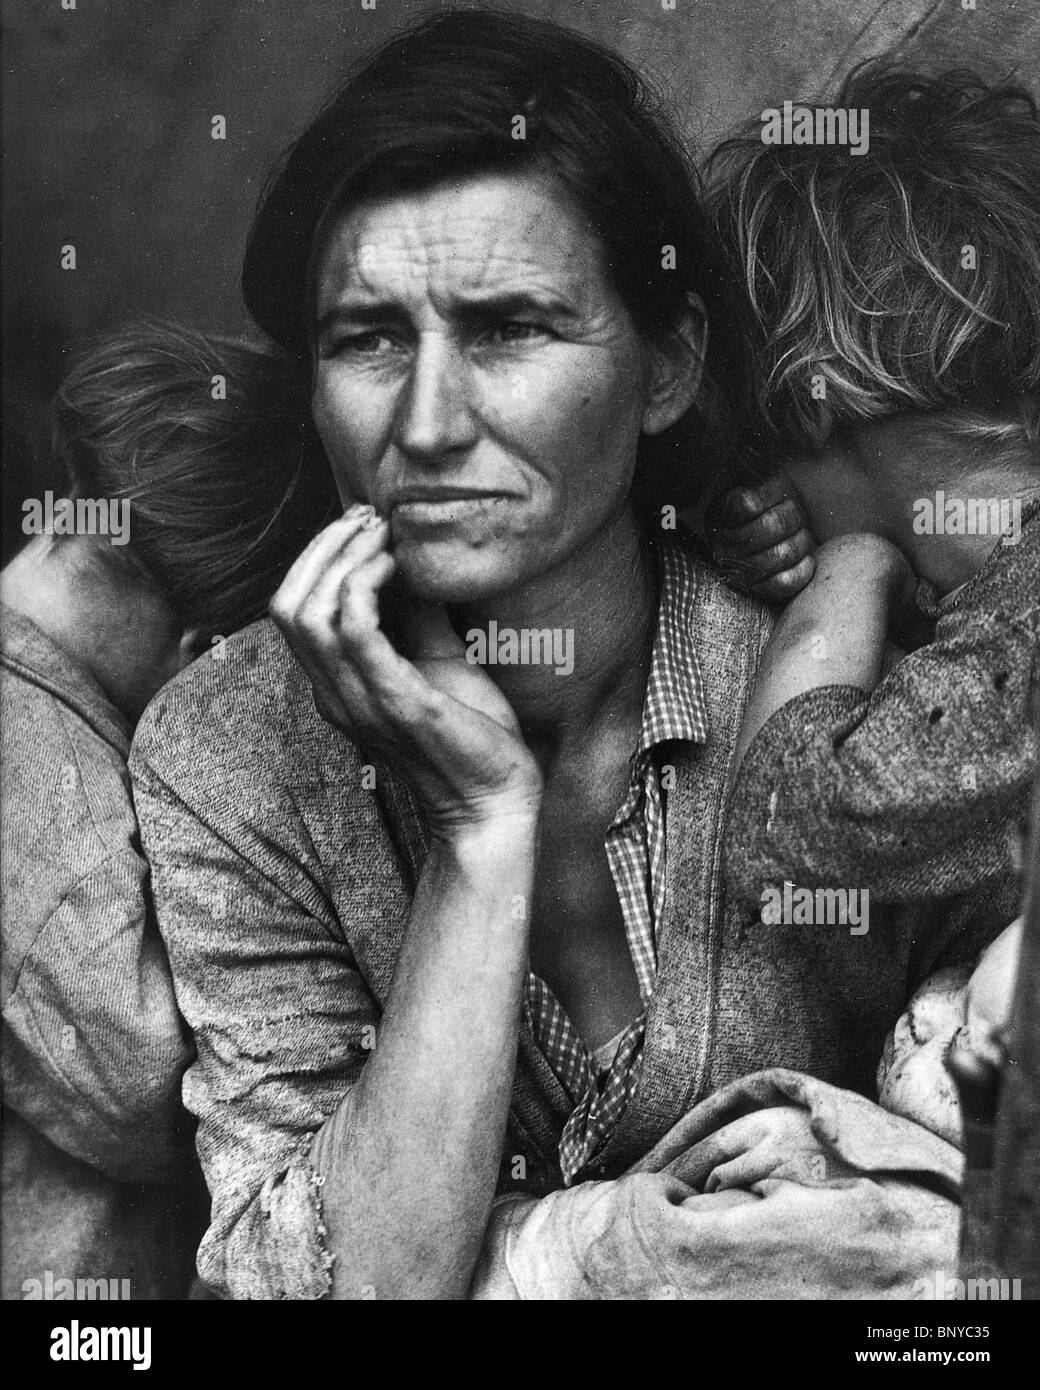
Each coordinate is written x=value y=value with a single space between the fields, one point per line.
x=492 y=234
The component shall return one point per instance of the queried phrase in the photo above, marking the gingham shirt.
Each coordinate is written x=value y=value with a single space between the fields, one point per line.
x=635 y=846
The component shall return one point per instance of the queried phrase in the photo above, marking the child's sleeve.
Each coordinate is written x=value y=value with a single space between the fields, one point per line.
x=913 y=792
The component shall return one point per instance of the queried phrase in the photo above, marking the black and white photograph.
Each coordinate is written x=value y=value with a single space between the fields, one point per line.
x=520 y=626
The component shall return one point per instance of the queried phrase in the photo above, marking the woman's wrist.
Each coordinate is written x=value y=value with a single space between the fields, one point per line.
x=503 y=826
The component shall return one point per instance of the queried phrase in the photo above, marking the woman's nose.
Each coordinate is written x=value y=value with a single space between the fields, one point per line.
x=434 y=415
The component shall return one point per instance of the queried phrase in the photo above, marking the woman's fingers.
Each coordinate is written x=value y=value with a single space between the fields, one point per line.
x=328 y=610
x=782 y=586
x=393 y=686
x=329 y=606
x=330 y=613
x=772 y=527
x=784 y=555
x=344 y=576
x=742 y=504
x=776 y=1140
x=763 y=543
x=312 y=564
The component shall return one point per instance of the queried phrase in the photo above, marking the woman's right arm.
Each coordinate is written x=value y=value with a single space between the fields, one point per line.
x=411 y=1159
x=409 y=1165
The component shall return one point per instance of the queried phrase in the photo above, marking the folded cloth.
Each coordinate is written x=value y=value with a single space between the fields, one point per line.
x=776 y=1186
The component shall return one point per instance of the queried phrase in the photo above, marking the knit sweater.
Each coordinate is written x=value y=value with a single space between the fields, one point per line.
x=916 y=791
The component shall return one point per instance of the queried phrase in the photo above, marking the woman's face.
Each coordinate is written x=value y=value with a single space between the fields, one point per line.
x=478 y=380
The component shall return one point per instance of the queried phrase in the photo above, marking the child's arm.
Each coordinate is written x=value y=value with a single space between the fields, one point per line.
x=912 y=791
x=763 y=538
x=833 y=632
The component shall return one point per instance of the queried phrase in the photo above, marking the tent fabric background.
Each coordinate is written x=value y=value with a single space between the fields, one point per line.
x=107 y=112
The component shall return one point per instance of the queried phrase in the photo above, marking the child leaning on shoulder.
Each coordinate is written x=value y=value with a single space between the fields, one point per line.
x=897 y=298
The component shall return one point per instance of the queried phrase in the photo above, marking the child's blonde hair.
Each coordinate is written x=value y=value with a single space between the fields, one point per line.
x=903 y=279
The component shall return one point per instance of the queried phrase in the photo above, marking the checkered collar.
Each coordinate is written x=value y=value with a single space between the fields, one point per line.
x=674 y=707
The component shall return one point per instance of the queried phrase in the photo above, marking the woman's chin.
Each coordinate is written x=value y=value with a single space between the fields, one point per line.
x=452 y=573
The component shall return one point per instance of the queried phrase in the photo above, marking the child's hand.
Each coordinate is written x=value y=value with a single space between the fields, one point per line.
x=762 y=541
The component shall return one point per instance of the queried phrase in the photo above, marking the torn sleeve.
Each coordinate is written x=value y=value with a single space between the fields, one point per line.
x=913 y=792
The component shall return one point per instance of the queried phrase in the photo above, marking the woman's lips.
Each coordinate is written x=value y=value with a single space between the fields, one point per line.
x=444 y=510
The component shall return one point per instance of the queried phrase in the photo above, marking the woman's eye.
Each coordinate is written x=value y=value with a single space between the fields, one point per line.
x=367 y=344
x=516 y=331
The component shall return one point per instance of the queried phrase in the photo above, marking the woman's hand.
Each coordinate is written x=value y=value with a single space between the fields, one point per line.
x=777 y=1142
x=765 y=537
x=439 y=719
x=762 y=542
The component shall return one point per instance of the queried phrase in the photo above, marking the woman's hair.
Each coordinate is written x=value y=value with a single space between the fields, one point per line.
x=443 y=100
x=906 y=278
x=209 y=441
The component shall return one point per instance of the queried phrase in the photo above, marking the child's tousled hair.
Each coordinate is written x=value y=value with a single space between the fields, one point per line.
x=209 y=440
x=858 y=266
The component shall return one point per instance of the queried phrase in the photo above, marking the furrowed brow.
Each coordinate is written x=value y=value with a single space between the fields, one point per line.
x=493 y=304
x=366 y=315
x=509 y=303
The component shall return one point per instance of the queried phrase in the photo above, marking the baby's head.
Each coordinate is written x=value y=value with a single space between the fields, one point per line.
x=900 y=278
